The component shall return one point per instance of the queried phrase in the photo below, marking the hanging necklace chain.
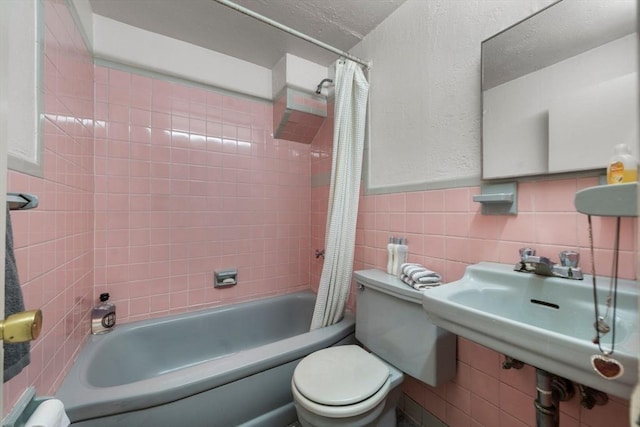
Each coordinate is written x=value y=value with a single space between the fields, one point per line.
x=613 y=289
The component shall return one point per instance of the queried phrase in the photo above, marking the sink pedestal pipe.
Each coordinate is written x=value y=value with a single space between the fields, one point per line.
x=547 y=411
x=551 y=390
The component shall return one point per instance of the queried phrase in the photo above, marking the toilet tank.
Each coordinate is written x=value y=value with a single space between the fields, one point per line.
x=391 y=323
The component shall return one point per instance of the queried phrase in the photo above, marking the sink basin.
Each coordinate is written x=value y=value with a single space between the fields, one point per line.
x=546 y=322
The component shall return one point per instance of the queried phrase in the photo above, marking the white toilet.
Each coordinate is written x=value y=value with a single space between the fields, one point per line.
x=348 y=386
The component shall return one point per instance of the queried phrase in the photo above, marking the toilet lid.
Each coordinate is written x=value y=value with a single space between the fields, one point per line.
x=341 y=375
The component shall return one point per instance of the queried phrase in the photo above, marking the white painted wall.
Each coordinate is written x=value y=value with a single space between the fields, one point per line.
x=118 y=42
x=425 y=90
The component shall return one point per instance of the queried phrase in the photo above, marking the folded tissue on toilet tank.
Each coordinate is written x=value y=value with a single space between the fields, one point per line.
x=419 y=277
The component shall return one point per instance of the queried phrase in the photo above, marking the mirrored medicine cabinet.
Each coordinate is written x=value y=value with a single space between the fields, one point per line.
x=560 y=89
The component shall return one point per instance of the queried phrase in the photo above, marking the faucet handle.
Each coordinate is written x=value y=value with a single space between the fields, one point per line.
x=569 y=258
x=526 y=252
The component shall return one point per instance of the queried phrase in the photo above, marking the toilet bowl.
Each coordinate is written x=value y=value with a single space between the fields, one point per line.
x=345 y=386
x=348 y=386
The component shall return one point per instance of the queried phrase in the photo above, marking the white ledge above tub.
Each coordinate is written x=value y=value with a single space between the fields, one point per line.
x=498 y=199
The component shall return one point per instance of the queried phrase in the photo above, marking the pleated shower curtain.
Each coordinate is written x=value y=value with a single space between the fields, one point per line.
x=351 y=92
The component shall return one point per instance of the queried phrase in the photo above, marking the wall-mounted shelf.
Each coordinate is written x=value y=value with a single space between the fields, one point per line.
x=498 y=199
x=609 y=200
x=494 y=198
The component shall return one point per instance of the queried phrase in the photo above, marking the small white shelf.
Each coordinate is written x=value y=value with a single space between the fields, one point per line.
x=609 y=200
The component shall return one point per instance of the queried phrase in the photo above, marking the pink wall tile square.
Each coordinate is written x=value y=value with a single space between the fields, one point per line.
x=508 y=420
x=414 y=201
x=434 y=246
x=517 y=404
x=397 y=202
x=556 y=229
x=382 y=221
x=521 y=228
x=119 y=95
x=416 y=245
x=485 y=226
x=383 y=203
x=566 y=420
x=459 y=397
x=457 y=249
x=457 y=200
x=119 y=78
x=433 y=223
x=435 y=404
x=485 y=387
x=522 y=379
x=484 y=412
x=479 y=357
x=483 y=250
x=615 y=413
x=118 y=113
x=396 y=223
x=456 y=417
x=552 y=196
x=457 y=224
x=434 y=201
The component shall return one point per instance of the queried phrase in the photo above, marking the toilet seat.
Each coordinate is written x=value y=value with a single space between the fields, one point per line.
x=340 y=381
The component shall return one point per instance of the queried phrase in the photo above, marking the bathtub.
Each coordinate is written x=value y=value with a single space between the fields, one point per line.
x=225 y=366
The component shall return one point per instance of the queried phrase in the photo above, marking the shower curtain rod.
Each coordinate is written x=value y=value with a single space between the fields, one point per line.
x=293 y=32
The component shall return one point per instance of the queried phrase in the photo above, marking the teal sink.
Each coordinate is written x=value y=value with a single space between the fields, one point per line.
x=546 y=322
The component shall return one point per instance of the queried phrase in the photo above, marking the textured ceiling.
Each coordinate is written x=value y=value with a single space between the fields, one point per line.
x=561 y=31
x=206 y=23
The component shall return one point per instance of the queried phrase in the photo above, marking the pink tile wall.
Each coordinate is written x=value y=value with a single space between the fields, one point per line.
x=54 y=243
x=188 y=181
x=446 y=232
x=321 y=154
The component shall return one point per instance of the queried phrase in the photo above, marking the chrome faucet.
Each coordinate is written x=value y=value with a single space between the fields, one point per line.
x=568 y=267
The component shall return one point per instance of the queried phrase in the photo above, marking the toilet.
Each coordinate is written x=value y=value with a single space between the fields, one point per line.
x=350 y=386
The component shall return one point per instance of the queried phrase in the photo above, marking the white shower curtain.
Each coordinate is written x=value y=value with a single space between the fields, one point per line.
x=351 y=91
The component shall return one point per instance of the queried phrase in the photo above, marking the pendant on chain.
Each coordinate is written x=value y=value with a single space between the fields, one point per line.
x=607 y=367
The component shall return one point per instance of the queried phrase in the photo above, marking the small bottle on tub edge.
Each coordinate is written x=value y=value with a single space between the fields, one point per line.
x=103 y=316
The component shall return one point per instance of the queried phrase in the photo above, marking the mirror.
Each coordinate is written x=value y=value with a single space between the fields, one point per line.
x=559 y=89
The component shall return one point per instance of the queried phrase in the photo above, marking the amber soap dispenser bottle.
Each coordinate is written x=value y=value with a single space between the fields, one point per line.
x=622 y=166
